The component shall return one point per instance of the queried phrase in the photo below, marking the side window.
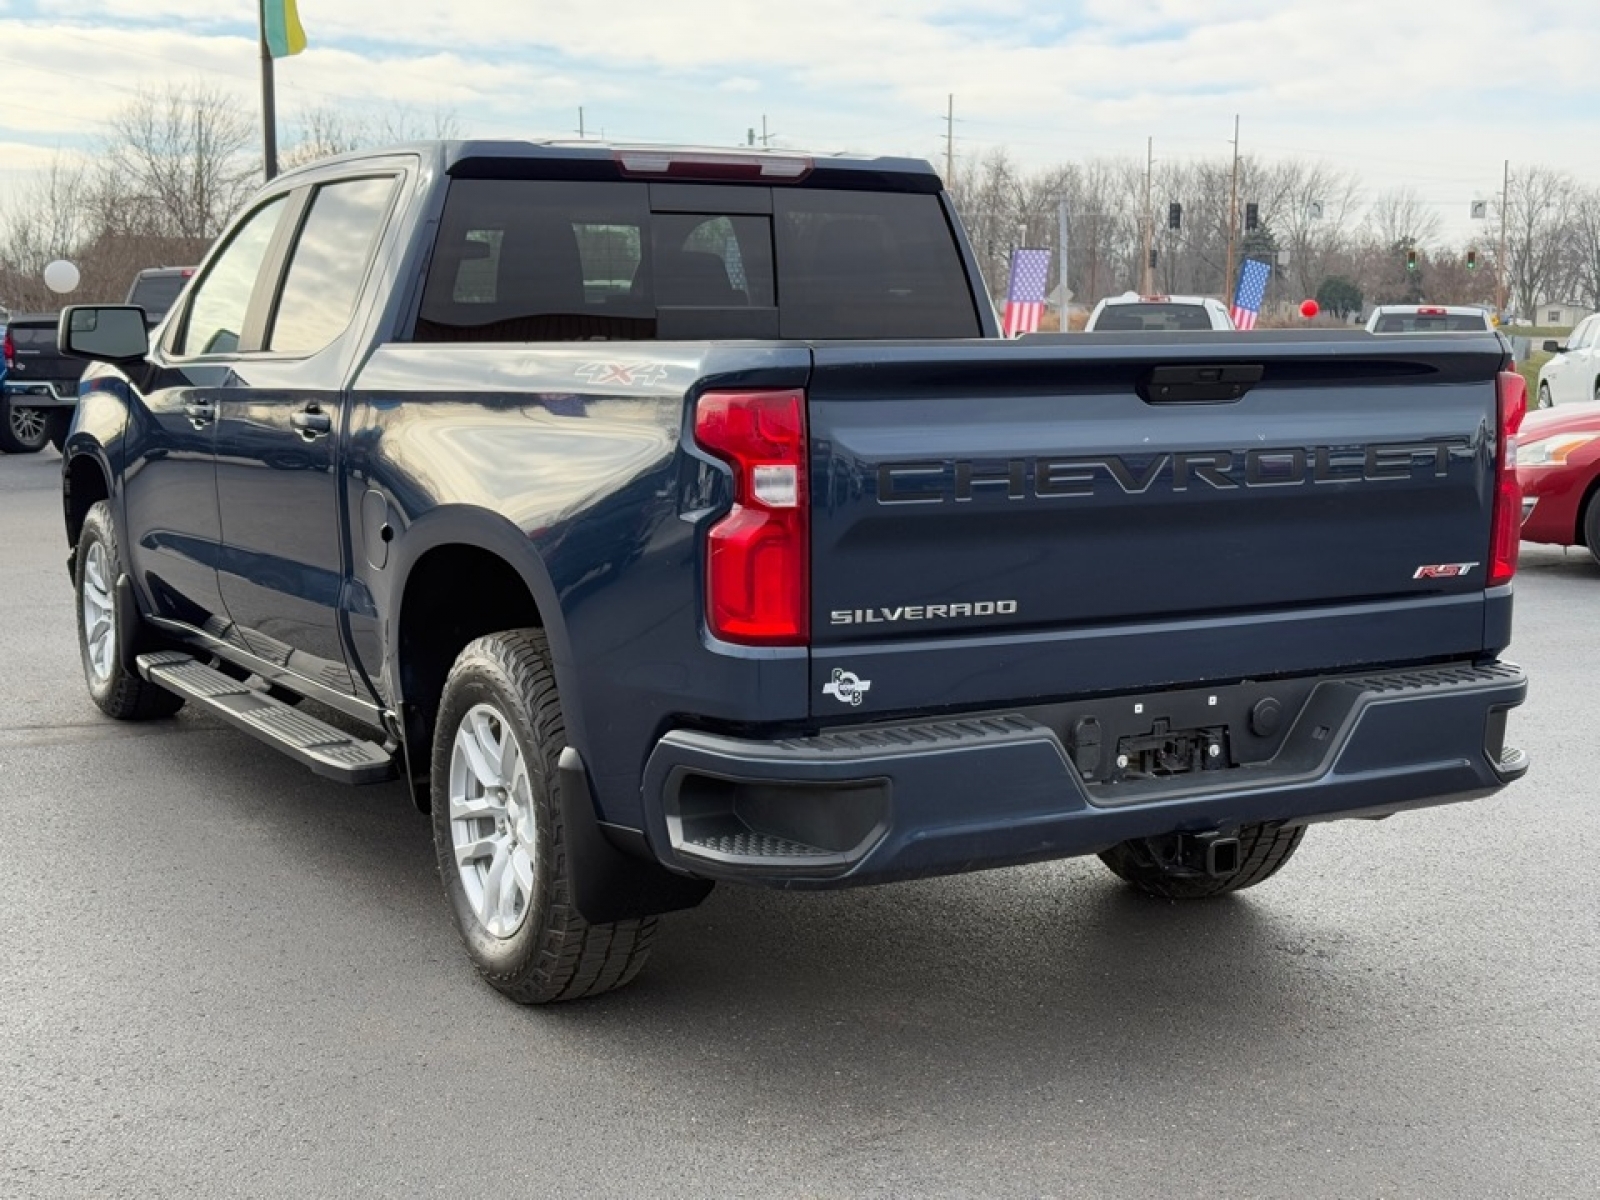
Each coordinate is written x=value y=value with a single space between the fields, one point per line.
x=329 y=264
x=217 y=312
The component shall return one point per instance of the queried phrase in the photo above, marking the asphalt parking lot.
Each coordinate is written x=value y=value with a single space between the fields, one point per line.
x=221 y=976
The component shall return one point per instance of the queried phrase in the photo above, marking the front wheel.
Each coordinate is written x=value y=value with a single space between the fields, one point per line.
x=1544 y=396
x=23 y=429
x=498 y=830
x=1152 y=866
x=1591 y=526
x=118 y=692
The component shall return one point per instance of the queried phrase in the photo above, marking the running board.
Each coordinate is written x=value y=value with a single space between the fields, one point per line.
x=327 y=751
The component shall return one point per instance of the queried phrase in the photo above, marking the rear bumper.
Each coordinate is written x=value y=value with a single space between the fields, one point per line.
x=41 y=393
x=878 y=802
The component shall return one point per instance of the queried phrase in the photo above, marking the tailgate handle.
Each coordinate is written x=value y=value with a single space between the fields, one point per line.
x=1209 y=383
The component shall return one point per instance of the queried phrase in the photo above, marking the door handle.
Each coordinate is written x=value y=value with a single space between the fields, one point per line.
x=199 y=412
x=312 y=422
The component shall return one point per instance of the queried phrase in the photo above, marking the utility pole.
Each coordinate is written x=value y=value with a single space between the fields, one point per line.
x=1148 y=282
x=950 y=142
x=1502 y=289
x=580 y=122
x=765 y=136
x=1233 y=216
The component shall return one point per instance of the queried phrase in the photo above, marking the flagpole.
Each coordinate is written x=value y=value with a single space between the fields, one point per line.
x=269 y=107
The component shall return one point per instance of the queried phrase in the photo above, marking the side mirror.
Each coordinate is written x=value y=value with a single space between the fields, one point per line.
x=1555 y=347
x=112 y=333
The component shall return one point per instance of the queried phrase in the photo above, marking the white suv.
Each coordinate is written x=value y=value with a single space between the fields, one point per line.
x=1157 y=314
x=1573 y=375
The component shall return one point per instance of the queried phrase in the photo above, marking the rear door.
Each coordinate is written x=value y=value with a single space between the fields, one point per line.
x=1000 y=521
x=283 y=567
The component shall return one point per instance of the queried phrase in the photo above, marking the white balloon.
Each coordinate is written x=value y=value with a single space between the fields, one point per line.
x=61 y=276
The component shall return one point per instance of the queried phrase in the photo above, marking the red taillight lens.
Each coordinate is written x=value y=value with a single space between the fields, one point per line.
x=758 y=586
x=1506 y=538
x=11 y=352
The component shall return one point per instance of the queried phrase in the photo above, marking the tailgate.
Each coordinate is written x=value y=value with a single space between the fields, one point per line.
x=995 y=521
x=35 y=358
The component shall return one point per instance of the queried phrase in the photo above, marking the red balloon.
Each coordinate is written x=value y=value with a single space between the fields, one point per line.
x=1309 y=309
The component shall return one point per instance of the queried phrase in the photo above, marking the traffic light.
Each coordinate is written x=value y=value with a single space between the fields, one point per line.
x=1411 y=260
x=1153 y=253
x=1174 y=215
x=1252 y=215
x=1472 y=260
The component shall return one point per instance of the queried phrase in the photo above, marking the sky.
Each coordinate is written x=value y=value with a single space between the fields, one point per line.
x=1432 y=94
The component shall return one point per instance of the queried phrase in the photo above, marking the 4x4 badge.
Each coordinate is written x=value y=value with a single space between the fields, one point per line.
x=847 y=687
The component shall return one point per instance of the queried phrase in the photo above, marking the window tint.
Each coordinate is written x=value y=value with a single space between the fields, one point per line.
x=564 y=260
x=1432 y=323
x=157 y=293
x=329 y=264
x=217 y=313
x=1152 y=318
x=869 y=265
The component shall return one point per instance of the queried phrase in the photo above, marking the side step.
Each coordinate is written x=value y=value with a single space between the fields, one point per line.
x=327 y=751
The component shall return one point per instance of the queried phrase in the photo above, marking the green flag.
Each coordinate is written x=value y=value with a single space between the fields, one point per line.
x=280 y=25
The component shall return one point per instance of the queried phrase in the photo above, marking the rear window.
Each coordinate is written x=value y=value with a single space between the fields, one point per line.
x=33 y=337
x=1152 y=318
x=157 y=293
x=555 y=260
x=1432 y=323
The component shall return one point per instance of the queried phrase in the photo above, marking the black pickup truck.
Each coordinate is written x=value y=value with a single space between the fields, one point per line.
x=668 y=517
x=40 y=388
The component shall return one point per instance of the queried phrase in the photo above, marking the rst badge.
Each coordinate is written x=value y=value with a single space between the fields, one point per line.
x=847 y=687
x=1444 y=571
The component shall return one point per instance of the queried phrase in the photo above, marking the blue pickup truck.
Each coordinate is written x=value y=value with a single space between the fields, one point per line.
x=670 y=517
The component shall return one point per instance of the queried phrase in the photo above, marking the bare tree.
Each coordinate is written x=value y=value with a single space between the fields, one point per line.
x=175 y=163
x=1400 y=220
x=1538 y=214
x=1584 y=241
x=325 y=130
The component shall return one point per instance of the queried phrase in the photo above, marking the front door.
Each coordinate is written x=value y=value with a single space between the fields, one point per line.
x=169 y=484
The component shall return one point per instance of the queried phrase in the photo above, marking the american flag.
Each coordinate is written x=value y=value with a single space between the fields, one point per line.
x=1252 y=289
x=1025 y=296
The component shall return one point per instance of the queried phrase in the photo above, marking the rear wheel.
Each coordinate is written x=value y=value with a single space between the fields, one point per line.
x=1544 y=396
x=118 y=692
x=23 y=429
x=499 y=836
x=1152 y=865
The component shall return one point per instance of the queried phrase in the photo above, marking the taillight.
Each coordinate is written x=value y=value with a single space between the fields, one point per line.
x=11 y=351
x=758 y=587
x=1506 y=536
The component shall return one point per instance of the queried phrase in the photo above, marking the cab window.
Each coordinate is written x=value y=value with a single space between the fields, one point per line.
x=217 y=313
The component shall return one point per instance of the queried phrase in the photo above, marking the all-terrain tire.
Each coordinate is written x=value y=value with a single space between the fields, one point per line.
x=1149 y=864
x=23 y=428
x=116 y=691
x=499 y=836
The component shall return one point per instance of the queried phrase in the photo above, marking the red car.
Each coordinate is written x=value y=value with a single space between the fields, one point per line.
x=1558 y=461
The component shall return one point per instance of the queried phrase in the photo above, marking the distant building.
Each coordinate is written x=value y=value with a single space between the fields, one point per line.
x=1560 y=315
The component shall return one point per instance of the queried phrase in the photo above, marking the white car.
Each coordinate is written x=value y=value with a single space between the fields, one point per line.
x=1573 y=375
x=1157 y=314
x=1428 y=318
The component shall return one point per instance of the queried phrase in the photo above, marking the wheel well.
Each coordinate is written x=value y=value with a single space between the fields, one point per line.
x=452 y=595
x=85 y=487
x=1589 y=497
